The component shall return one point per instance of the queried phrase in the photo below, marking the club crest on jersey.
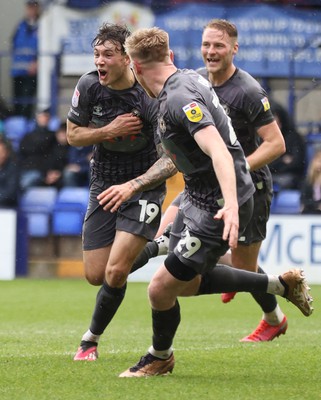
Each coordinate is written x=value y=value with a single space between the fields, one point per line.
x=162 y=125
x=193 y=112
x=75 y=98
x=98 y=110
x=226 y=109
x=266 y=104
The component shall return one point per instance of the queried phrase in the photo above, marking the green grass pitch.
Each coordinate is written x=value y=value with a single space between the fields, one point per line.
x=42 y=321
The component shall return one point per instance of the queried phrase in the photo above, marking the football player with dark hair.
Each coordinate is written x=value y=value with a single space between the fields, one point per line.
x=112 y=112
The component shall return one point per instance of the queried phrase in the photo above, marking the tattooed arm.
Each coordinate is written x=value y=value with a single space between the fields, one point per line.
x=156 y=174
x=162 y=169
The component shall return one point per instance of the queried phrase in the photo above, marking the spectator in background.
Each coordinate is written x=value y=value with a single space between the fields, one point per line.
x=9 y=175
x=68 y=165
x=288 y=171
x=311 y=188
x=24 y=60
x=35 y=152
x=5 y=111
x=58 y=158
x=76 y=172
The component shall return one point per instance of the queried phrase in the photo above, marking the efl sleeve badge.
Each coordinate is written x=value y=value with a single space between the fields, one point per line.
x=193 y=112
x=266 y=104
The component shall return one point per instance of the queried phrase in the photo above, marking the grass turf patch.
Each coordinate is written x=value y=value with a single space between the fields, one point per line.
x=42 y=322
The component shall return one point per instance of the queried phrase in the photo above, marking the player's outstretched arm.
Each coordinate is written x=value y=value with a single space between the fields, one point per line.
x=210 y=141
x=114 y=196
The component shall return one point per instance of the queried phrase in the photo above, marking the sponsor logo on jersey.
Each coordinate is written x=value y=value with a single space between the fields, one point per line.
x=193 y=112
x=74 y=112
x=266 y=104
x=75 y=98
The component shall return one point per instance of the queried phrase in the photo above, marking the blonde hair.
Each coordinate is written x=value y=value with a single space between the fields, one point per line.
x=313 y=173
x=224 y=26
x=148 y=45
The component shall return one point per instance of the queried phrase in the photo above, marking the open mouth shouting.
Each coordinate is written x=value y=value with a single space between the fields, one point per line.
x=102 y=74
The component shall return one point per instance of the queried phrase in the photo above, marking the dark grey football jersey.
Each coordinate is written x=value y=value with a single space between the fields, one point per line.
x=123 y=158
x=246 y=103
x=187 y=104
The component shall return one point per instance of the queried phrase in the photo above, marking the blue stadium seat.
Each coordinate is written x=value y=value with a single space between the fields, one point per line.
x=15 y=128
x=54 y=123
x=37 y=205
x=287 y=201
x=69 y=211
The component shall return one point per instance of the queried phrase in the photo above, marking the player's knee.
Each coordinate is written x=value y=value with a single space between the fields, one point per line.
x=93 y=279
x=154 y=292
x=94 y=274
x=116 y=276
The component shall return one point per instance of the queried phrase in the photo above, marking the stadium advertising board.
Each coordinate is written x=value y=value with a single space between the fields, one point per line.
x=274 y=41
x=69 y=31
x=293 y=242
x=8 y=227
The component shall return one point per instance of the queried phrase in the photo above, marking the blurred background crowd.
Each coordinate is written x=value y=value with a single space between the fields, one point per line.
x=33 y=145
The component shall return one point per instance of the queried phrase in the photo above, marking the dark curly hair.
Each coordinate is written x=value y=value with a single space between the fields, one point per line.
x=114 y=33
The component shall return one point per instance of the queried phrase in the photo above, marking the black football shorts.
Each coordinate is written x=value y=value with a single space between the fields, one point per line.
x=140 y=216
